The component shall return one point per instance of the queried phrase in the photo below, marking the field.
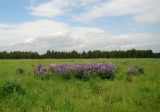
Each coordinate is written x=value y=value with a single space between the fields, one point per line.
x=142 y=94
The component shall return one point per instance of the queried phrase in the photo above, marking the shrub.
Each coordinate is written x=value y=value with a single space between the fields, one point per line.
x=20 y=70
x=12 y=86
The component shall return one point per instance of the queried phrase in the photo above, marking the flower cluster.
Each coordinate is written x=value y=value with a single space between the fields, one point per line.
x=132 y=70
x=135 y=69
x=84 y=68
x=40 y=70
x=80 y=70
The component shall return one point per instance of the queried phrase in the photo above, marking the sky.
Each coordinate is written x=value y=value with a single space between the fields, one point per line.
x=82 y=25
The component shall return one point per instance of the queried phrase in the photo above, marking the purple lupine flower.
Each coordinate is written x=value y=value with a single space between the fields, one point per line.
x=51 y=67
x=83 y=68
x=103 y=67
x=40 y=70
x=132 y=70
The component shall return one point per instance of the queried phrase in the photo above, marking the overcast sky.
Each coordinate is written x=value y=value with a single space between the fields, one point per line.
x=64 y=25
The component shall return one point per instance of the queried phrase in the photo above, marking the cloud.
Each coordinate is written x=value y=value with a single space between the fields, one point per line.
x=43 y=44
x=42 y=35
x=146 y=11
x=68 y=43
x=140 y=11
x=48 y=34
x=47 y=9
x=138 y=41
x=52 y=8
x=16 y=33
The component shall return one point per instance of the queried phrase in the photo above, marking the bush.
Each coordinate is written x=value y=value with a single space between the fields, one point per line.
x=20 y=70
x=12 y=86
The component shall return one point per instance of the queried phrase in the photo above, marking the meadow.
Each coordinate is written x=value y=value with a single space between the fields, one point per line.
x=55 y=94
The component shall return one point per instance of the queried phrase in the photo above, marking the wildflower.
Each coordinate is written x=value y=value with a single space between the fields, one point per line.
x=132 y=70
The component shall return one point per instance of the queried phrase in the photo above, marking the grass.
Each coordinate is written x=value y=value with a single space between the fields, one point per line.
x=58 y=95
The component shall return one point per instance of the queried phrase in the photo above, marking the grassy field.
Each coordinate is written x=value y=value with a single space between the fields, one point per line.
x=58 y=95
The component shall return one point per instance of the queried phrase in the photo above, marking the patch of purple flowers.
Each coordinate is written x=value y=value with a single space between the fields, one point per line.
x=104 y=70
x=41 y=70
x=84 y=68
x=136 y=69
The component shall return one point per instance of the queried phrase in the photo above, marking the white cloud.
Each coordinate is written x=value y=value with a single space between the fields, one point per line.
x=21 y=32
x=141 y=11
x=42 y=35
x=43 y=44
x=146 y=11
x=52 y=8
x=47 y=9
x=51 y=33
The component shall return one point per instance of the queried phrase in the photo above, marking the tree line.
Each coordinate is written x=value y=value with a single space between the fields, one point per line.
x=133 y=53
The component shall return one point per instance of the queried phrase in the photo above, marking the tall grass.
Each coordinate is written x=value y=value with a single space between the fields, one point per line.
x=58 y=95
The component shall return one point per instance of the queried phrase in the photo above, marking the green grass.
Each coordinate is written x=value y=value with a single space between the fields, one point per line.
x=57 y=95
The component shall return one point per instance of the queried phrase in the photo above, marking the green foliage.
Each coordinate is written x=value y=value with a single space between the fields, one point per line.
x=140 y=68
x=12 y=86
x=20 y=70
x=83 y=77
x=57 y=95
x=95 y=87
x=130 y=77
x=106 y=75
x=134 y=70
x=46 y=76
x=68 y=105
x=66 y=76
x=133 y=53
